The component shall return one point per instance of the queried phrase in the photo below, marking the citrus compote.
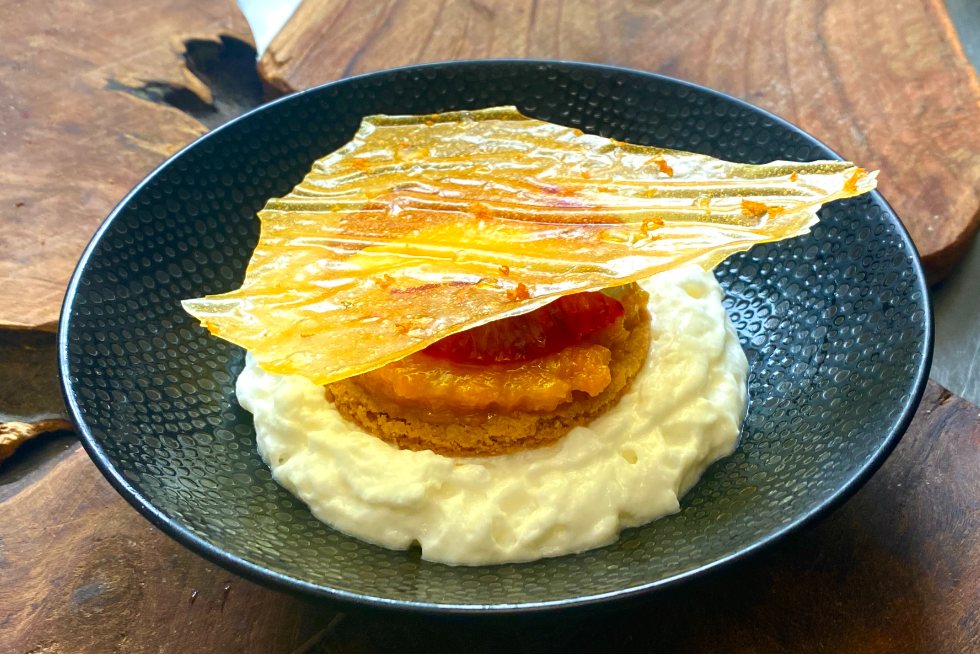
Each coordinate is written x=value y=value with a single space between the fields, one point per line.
x=532 y=362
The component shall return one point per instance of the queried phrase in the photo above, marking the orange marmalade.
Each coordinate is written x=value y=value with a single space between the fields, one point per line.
x=532 y=362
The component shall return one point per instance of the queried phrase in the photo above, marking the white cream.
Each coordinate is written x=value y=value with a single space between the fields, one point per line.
x=628 y=467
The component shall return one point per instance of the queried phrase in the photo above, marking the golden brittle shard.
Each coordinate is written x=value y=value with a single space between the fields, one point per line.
x=423 y=226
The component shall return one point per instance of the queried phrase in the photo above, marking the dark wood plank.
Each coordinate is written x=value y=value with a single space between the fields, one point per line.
x=94 y=95
x=896 y=569
x=889 y=88
x=83 y=572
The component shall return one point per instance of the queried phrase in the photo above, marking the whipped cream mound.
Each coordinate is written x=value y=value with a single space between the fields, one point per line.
x=628 y=467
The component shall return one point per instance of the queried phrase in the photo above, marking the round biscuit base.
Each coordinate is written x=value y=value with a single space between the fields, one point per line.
x=489 y=433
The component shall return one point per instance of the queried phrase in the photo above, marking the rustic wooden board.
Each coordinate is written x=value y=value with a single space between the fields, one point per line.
x=86 y=94
x=897 y=568
x=885 y=84
x=83 y=572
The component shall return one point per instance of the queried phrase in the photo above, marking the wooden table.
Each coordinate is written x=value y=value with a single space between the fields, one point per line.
x=96 y=94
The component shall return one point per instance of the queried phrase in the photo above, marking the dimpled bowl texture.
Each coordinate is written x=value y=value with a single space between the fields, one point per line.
x=836 y=326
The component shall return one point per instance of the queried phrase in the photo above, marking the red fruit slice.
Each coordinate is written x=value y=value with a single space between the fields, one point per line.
x=549 y=329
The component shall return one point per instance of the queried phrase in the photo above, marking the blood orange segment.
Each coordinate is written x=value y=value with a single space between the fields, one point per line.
x=549 y=329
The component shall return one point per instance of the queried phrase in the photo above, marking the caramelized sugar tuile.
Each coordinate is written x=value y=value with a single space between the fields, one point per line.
x=424 y=226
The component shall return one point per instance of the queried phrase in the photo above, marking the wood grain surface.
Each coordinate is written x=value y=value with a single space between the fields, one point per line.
x=89 y=98
x=884 y=83
x=83 y=572
x=894 y=570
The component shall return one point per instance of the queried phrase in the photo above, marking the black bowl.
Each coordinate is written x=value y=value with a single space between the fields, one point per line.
x=836 y=325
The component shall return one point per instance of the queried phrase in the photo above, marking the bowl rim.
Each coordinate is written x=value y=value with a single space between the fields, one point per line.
x=279 y=581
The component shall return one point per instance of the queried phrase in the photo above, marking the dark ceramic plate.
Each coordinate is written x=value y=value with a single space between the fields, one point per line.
x=836 y=326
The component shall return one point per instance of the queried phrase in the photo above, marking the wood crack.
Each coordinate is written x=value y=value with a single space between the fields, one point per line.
x=221 y=81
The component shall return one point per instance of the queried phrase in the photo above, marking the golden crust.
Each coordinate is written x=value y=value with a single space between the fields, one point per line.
x=491 y=433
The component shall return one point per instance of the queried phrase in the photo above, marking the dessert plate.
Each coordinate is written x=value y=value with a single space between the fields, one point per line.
x=836 y=325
